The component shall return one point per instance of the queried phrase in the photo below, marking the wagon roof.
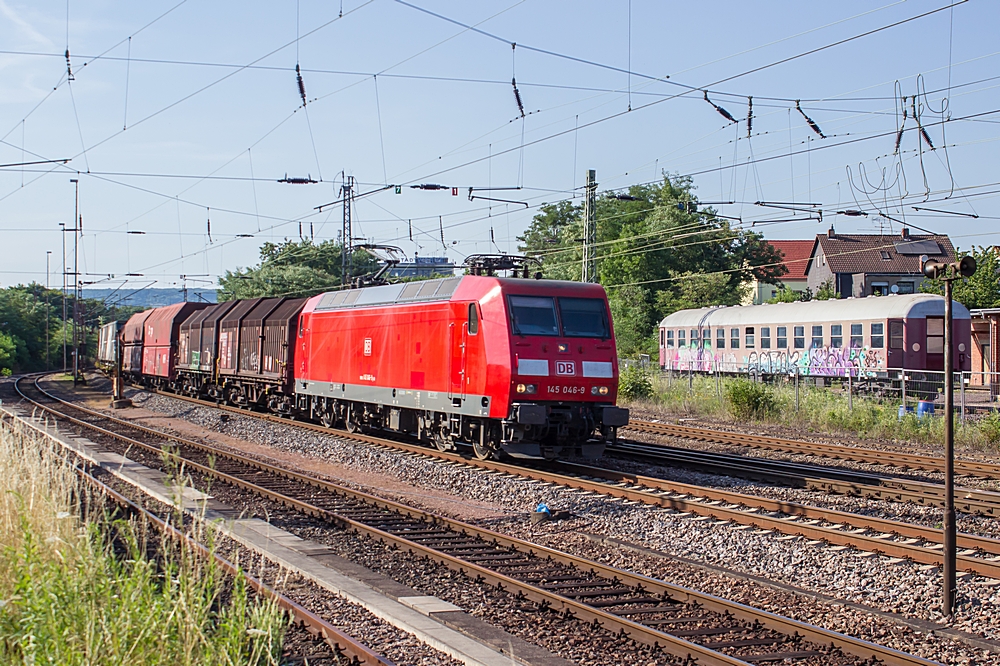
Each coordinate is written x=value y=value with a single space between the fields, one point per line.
x=844 y=310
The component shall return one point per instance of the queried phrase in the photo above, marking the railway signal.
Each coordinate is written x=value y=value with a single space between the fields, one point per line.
x=963 y=268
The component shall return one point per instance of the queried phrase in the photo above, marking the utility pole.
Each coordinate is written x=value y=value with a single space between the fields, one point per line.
x=959 y=269
x=347 y=192
x=589 y=273
x=48 y=253
x=76 y=283
x=65 y=362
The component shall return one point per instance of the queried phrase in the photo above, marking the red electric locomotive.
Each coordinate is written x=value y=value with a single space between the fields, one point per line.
x=527 y=367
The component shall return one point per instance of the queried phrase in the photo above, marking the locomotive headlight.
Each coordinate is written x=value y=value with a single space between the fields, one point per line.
x=527 y=388
x=521 y=388
x=603 y=390
x=598 y=390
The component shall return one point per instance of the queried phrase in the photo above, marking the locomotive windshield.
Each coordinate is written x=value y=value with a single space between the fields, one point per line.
x=533 y=315
x=584 y=317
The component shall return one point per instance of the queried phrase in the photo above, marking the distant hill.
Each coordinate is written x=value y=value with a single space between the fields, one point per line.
x=151 y=298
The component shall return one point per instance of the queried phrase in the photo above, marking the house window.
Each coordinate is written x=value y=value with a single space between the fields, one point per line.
x=782 y=337
x=885 y=255
x=836 y=335
x=720 y=338
x=857 y=335
x=748 y=337
x=895 y=335
x=734 y=338
x=670 y=338
x=935 y=335
x=800 y=337
x=878 y=336
x=817 y=337
x=765 y=337
x=681 y=342
x=880 y=288
x=905 y=287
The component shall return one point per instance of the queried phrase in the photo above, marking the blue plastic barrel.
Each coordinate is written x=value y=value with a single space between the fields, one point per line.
x=925 y=408
x=903 y=409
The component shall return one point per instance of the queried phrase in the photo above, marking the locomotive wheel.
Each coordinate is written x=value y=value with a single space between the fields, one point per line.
x=484 y=450
x=443 y=443
x=327 y=419
x=350 y=422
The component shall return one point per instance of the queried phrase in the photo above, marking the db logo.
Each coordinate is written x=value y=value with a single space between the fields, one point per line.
x=565 y=368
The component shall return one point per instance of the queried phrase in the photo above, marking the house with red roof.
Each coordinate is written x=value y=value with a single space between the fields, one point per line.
x=795 y=255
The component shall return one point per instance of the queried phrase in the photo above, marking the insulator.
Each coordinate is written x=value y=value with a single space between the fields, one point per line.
x=725 y=114
x=927 y=137
x=810 y=121
x=302 y=85
x=69 y=69
x=899 y=139
x=517 y=97
x=749 y=116
x=208 y=228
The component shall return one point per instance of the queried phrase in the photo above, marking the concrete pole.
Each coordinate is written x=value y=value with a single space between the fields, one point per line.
x=949 y=458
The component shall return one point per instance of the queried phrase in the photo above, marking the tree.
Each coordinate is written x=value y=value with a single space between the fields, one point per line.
x=826 y=291
x=8 y=350
x=982 y=290
x=293 y=268
x=786 y=295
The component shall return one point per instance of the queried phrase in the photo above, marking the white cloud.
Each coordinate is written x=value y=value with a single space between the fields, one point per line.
x=25 y=28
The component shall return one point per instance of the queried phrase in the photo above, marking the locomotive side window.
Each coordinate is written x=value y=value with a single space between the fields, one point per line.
x=748 y=337
x=836 y=335
x=935 y=335
x=473 y=319
x=800 y=337
x=878 y=336
x=734 y=338
x=533 y=315
x=817 y=336
x=782 y=337
x=895 y=335
x=720 y=338
x=584 y=318
x=670 y=338
x=765 y=337
x=857 y=335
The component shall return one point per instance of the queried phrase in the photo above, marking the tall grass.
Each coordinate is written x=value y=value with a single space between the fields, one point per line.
x=819 y=409
x=75 y=592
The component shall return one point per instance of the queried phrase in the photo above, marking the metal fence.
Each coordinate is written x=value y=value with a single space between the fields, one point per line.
x=918 y=391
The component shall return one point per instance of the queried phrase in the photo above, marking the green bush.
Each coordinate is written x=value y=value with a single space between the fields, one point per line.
x=989 y=427
x=750 y=400
x=634 y=383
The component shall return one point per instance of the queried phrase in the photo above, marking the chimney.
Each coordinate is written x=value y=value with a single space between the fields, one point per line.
x=829 y=232
x=906 y=233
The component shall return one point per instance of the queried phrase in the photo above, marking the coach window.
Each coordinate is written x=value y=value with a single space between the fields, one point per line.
x=836 y=335
x=706 y=338
x=935 y=335
x=895 y=335
x=765 y=337
x=670 y=338
x=473 y=319
x=857 y=335
x=662 y=337
x=878 y=336
x=782 y=337
x=694 y=338
x=720 y=338
x=800 y=337
x=817 y=336
x=734 y=338
x=681 y=342
x=748 y=337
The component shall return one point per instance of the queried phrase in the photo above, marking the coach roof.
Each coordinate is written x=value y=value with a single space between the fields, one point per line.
x=839 y=310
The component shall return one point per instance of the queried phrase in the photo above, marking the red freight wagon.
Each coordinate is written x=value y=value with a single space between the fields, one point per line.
x=526 y=366
x=159 y=346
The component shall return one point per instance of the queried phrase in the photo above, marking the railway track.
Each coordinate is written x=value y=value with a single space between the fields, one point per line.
x=690 y=625
x=343 y=646
x=899 y=459
x=813 y=477
x=820 y=526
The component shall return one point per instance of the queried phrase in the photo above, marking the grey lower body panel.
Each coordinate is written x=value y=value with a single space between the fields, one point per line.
x=433 y=401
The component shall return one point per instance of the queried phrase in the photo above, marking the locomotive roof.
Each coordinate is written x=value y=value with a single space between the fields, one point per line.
x=896 y=306
x=432 y=290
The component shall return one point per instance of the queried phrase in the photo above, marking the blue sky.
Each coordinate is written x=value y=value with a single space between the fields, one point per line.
x=399 y=96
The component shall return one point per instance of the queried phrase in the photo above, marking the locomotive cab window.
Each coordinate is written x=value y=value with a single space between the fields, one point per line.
x=836 y=335
x=473 y=319
x=782 y=337
x=533 y=315
x=584 y=318
x=749 y=337
x=765 y=337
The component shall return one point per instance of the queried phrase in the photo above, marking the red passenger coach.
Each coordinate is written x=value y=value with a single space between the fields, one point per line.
x=524 y=366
